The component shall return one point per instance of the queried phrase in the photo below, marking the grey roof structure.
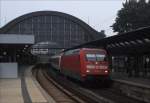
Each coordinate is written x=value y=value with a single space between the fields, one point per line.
x=133 y=42
x=52 y=26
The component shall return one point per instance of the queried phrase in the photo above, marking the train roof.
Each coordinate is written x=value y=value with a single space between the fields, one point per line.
x=93 y=49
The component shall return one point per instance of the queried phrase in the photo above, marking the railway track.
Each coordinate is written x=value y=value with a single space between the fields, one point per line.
x=59 y=94
x=80 y=94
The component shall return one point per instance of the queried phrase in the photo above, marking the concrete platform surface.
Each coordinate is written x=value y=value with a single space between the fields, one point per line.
x=137 y=81
x=10 y=91
x=34 y=92
x=17 y=90
x=134 y=87
x=145 y=83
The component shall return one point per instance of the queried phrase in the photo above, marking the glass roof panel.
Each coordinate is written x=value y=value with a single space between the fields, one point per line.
x=122 y=44
x=139 y=41
x=147 y=39
x=133 y=42
x=127 y=43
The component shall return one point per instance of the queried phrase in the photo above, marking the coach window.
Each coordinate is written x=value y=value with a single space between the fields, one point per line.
x=68 y=52
x=76 y=52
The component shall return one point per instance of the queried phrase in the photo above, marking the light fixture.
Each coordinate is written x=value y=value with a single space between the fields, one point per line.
x=4 y=53
x=26 y=46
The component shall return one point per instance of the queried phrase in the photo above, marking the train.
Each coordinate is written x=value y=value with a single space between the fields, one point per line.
x=82 y=64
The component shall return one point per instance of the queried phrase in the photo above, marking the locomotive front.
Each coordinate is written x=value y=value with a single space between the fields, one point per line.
x=94 y=64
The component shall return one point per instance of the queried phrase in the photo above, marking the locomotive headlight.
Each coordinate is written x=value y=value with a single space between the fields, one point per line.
x=87 y=71
x=90 y=66
x=106 y=71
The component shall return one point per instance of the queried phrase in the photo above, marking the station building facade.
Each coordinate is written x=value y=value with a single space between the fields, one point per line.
x=51 y=26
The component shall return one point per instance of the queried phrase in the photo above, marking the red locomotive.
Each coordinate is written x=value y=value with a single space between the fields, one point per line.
x=82 y=64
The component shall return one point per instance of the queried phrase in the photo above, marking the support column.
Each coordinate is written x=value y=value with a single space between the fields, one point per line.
x=110 y=61
x=14 y=55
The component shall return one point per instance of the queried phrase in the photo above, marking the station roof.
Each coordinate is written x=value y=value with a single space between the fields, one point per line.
x=11 y=42
x=16 y=39
x=133 y=42
x=74 y=19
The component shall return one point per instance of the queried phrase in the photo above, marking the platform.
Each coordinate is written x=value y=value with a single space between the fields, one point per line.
x=138 y=81
x=24 y=89
x=145 y=83
x=138 y=88
x=10 y=91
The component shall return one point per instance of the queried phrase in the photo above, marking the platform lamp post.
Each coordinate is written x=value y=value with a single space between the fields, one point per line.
x=147 y=64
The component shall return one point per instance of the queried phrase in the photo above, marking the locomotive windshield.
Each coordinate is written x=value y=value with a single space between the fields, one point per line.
x=95 y=57
x=91 y=57
x=100 y=57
